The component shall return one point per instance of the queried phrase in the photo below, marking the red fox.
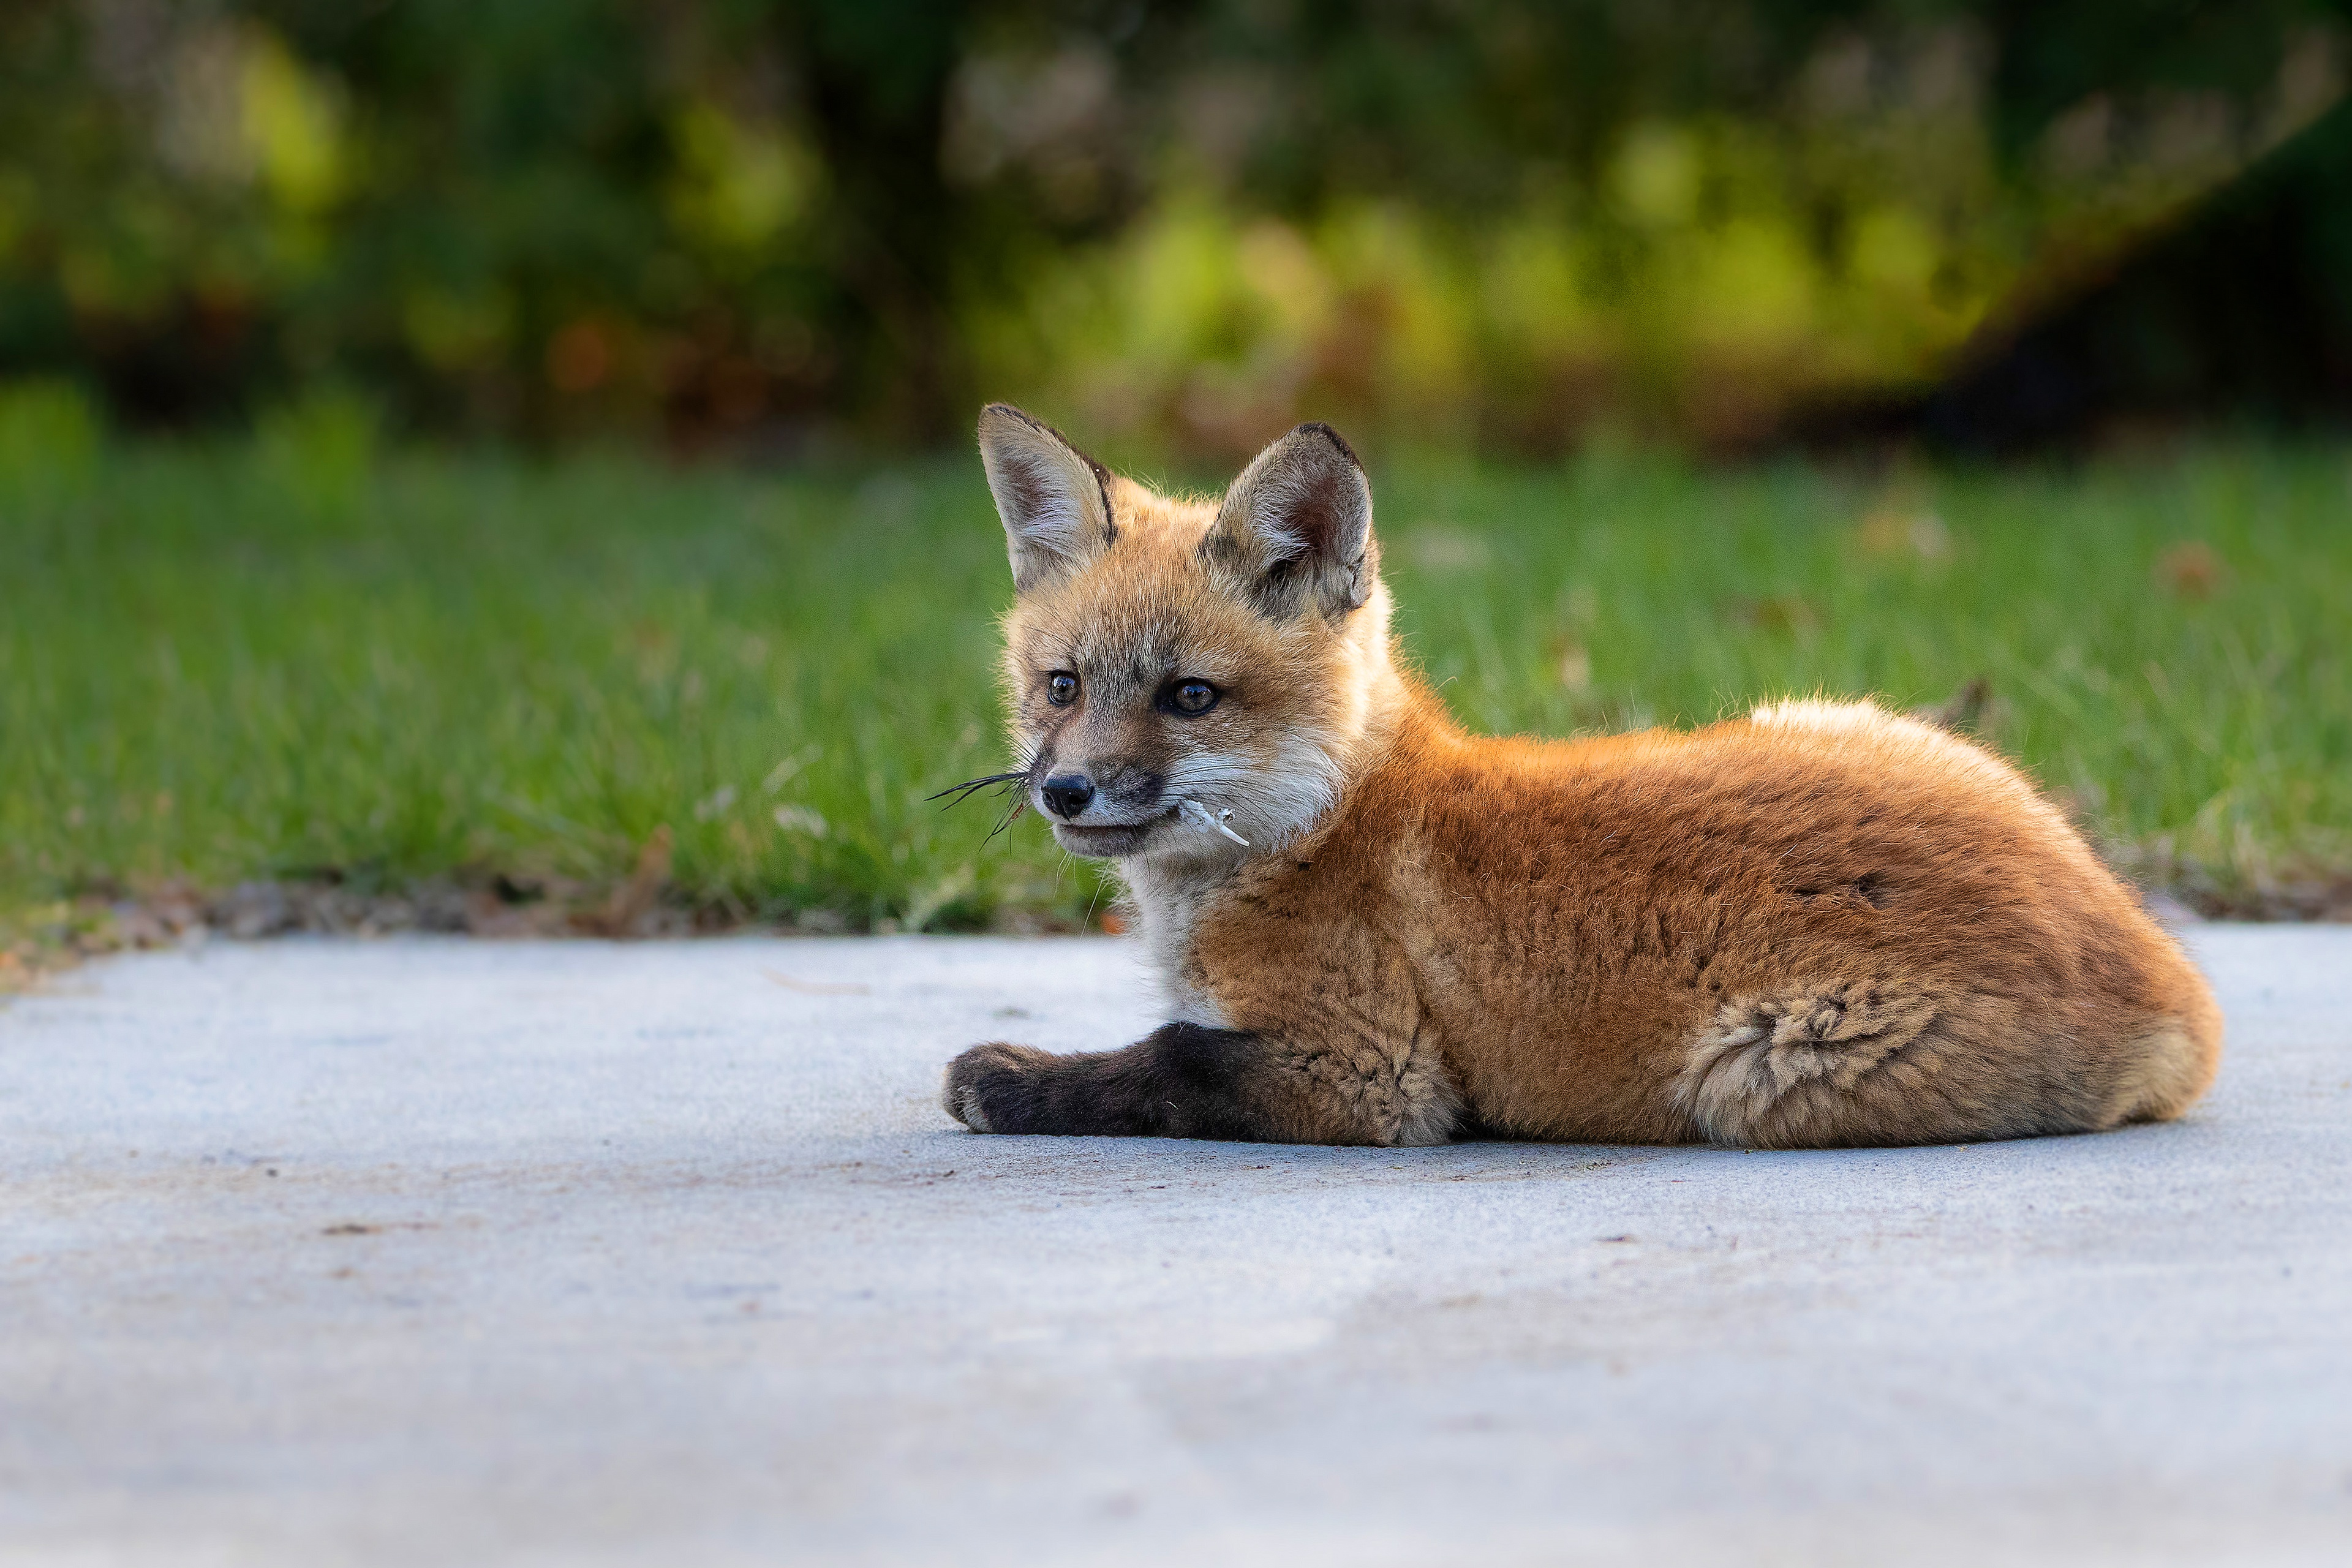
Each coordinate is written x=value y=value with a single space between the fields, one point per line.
x=1821 y=924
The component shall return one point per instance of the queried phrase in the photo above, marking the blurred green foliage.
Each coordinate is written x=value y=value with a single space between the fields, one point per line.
x=1462 y=220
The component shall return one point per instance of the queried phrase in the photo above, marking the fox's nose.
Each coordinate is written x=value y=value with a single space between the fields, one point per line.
x=1066 y=795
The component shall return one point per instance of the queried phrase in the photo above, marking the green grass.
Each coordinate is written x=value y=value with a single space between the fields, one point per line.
x=296 y=654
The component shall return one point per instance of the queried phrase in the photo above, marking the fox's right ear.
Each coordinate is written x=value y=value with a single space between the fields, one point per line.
x=1297 y=526
x=1054 y=499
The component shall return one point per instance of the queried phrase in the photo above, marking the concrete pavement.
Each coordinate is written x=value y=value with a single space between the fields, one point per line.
x=438 y=1251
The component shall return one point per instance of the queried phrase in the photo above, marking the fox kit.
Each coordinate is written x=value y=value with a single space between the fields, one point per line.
x=1819 y=924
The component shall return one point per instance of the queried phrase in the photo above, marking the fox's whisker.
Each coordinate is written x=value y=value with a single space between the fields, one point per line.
x=970 y=787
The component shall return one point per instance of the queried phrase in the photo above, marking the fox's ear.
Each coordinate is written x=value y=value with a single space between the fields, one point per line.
x=1054 y=499
x=1298 y=525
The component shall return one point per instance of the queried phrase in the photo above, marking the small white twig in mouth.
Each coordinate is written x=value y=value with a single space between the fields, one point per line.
x=1216 y=824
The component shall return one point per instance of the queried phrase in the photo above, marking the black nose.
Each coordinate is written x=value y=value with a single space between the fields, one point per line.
x=1066 y=795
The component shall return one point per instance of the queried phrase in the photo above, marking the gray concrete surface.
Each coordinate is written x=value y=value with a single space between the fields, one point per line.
x=434 y=1252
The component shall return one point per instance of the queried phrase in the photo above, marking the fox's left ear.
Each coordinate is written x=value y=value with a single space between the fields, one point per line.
x=1298 y=525
x=1054 y=499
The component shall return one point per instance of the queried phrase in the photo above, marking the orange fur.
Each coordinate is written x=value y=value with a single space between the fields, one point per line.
x=1819 y=924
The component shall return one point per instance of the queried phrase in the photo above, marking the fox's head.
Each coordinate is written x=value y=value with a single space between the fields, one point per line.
x=1186 y=678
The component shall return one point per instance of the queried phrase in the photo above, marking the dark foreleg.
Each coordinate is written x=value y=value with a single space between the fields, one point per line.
x=1179 y=1081
x=1183 y=1080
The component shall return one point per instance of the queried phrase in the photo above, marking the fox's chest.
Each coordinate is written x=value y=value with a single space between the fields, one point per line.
x=1172 y=906
x=1277 y=948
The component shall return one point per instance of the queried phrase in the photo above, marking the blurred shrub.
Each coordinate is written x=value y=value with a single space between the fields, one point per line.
x=1476 y=220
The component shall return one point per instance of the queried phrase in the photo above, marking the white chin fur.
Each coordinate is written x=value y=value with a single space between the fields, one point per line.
x=1273 y=801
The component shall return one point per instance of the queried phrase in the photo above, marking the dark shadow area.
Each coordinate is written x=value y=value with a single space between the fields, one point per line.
x=2240 y=314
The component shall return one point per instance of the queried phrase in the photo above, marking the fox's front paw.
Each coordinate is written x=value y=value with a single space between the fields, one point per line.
x=987 y=1085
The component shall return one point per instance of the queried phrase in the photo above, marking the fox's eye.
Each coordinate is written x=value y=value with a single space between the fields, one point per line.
x=1061 y=688
x=1193 y=696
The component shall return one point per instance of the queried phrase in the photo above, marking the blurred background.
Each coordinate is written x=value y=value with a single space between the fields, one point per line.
x=504 y=464
x=1490 y=223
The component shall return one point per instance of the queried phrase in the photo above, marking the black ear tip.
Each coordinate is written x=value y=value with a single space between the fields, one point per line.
x=1317 y=427
x=995 y=412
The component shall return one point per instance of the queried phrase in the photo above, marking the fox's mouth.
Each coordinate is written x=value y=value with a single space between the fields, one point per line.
x=1109 y=840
